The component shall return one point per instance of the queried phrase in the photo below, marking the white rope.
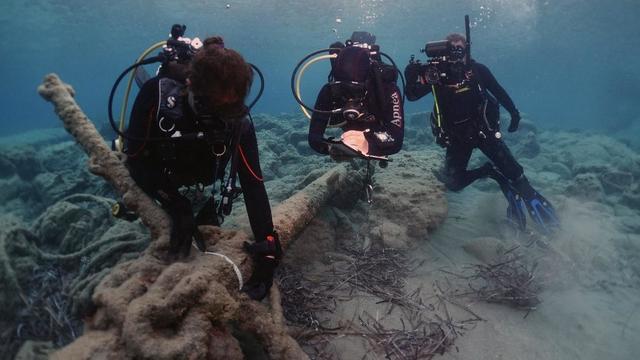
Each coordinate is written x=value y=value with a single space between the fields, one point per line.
x=227 y=259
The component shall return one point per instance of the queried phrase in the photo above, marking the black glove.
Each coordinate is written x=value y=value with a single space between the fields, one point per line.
x=337 y=155
x=261 y=279
x=515 y=120
x=412 y=72
x=266 y=257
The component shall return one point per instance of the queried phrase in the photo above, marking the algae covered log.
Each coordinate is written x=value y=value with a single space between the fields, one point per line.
x=150 y=308
x=103 y=161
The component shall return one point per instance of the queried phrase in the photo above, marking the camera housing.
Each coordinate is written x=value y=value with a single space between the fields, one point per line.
x=440 y=48
x=442 y=58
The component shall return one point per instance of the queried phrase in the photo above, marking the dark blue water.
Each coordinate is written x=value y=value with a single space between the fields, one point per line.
x=567 y=63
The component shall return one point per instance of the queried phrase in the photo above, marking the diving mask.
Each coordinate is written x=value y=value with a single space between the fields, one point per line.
x=458 y=53
x=350 y=96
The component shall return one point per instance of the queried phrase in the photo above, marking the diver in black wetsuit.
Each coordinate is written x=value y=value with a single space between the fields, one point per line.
x=366 y=90
x=207 y=127
x=466 y=116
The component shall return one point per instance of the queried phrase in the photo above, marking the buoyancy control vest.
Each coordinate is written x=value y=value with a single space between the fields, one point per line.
x=464 y=110
x=193 y=153
x=357 y=85
x=199 y=156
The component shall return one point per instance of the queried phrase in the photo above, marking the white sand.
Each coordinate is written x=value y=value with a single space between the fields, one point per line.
x=580 y=316
x=590 y=303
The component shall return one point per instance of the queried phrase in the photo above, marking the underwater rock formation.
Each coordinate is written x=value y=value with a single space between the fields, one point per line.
x=52 y=168
x=586 y=186
x=22 y=162
x=408 y=201
x=529 y=146
x=150 y=308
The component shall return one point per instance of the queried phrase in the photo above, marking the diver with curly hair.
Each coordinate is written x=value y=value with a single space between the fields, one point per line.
x=198 y=106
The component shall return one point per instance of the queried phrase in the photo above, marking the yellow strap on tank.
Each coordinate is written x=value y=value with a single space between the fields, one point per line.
x=435 y=101
x=301 y=72
x=123 y=109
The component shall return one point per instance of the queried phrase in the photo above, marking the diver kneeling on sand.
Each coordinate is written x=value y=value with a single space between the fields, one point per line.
x=190 y=123
x=466 y=116
x=361 y=97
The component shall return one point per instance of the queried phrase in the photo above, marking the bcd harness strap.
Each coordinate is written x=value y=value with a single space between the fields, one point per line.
x=228 y=189
x=170 y=112
x=482 y=109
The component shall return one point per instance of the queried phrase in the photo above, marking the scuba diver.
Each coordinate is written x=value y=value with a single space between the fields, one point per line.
x=362 y=98
x=466 y=116
x=188 y=124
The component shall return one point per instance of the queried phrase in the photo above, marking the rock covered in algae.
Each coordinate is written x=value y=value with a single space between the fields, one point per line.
x=408 y=202
x=53 y=171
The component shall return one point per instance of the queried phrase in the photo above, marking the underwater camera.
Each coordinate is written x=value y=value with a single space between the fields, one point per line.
x=441 y=56
x=444 y=59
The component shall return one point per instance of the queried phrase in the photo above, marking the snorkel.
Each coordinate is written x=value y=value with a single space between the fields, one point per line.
x=467 y=29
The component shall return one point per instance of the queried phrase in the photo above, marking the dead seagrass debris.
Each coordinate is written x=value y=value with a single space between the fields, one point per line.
x=509 y=279
x=428 y=329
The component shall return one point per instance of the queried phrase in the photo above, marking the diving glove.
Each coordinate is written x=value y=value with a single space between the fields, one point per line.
x=412 y=73
x=261 y=279
x=266 y=257
x=515 y=121
x=338 y=155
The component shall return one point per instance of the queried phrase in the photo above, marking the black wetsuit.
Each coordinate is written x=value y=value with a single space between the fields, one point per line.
x=160 y=168
x=466 y=124
x=387 y=117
